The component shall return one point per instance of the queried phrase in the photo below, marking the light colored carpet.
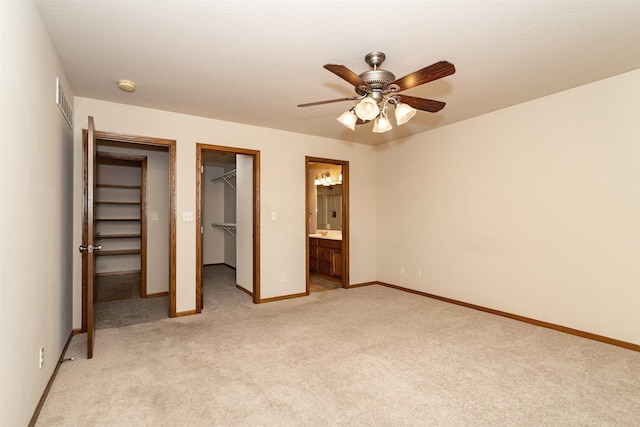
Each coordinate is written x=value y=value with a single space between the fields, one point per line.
x=369 y=356
x=116 y=314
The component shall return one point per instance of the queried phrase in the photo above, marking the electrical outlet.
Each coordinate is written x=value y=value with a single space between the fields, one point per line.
x=41 y=357
x=282 y=277
x=419 y=274
x=402 y=270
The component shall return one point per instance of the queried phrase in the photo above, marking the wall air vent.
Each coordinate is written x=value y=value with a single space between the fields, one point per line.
x=63 y=103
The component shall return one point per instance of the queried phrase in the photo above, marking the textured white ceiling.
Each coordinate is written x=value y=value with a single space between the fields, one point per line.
x=253 y=61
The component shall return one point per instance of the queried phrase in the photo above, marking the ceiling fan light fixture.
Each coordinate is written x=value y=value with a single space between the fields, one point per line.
x=367 y=109
x=381 y=125
x=404 y=113
x=348 y=119
x=377 y=87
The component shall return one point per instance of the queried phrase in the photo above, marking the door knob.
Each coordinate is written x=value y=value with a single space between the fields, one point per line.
x=90 y=248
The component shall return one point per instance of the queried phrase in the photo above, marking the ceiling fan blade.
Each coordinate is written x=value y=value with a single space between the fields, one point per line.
x=346 y=74
x=422 y=104
x=427 y=74
x=311 y=104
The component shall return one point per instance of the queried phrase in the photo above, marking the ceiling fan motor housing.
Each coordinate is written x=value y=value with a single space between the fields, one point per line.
x=377 y=79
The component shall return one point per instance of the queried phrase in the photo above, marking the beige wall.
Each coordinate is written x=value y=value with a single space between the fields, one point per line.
x=36 y=246
x=282 y=166
x=533 y=210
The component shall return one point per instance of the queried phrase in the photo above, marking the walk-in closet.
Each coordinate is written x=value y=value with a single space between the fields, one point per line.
x=227 y=216
x=132 y=229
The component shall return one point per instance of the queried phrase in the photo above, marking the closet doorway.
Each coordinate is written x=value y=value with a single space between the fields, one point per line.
x=227 y=218
x=121 y=226
x=327 y=225
x=147 y=207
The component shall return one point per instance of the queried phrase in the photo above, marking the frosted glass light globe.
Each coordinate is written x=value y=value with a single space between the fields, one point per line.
x=349 y=119
x=404 y=113
x=381 y=125
x=367 y=109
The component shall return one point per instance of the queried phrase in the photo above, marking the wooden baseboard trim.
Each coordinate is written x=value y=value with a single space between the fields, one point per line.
x=244 y=290
x=157 y=294
x=560 y=328
x=45 y=393
x=185 y=313
x=77 y=331
x=359 y=285
x=283 y=297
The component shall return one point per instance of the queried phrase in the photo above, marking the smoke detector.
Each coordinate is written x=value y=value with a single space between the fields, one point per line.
x=126 y=85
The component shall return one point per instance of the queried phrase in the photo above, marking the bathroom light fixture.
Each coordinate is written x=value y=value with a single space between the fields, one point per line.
x=322 y=178
x=325 y=179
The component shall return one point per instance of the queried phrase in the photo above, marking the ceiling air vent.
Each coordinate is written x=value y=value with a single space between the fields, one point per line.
x=63 y=103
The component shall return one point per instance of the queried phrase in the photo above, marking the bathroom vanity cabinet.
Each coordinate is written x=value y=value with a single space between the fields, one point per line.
x=325 y=257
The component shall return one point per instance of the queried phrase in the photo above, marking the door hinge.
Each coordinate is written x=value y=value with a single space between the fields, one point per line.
x=201 y=230
x=201 y=169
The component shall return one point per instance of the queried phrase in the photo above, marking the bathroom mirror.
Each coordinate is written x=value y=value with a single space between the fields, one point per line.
x=329 y=207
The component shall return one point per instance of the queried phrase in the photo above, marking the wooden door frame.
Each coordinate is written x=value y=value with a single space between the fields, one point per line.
x=345 y=215
x=145 y=141
x=200 y=149
x=142 y=162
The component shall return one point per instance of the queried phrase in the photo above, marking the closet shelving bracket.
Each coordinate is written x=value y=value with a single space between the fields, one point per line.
x=226 y=178
x=229 y=228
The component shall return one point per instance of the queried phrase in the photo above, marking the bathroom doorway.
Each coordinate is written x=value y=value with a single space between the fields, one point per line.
x=327 y=225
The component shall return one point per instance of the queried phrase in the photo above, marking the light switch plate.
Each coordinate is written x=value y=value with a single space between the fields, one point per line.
x=187 y=216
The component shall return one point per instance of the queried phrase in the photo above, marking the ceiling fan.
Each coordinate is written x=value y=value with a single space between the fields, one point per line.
x=378 y=86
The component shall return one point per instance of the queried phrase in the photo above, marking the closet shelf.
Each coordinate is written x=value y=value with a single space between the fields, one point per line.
x=132 y=187
x=119 y=236
x=117 y=219
x=229 y=228
x=119 y=252
x=104 y=202
x=226 y=178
